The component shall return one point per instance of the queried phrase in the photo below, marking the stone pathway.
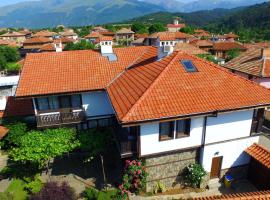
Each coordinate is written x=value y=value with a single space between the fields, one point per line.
x=4 y=184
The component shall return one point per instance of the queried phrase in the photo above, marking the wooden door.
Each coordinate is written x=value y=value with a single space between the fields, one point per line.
x=216 y=167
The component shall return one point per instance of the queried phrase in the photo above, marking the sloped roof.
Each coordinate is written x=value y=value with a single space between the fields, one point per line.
x=231 y=35
x=260 y=195
x=176 y=25
x=10 y=43
x=48 y=47
x=202 y=43
x=164 y=89
x=125 y=31
x=37 y=40
x=259 y=153
x=250 y=62
x=68 y=33
x=167 y=36
x=93 y=35
x=76 y=71
x=44 y=33
x=13 y=34
x=226 y=46
x=190 y=49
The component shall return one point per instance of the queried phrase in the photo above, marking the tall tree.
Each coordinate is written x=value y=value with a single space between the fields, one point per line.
x=157 y=27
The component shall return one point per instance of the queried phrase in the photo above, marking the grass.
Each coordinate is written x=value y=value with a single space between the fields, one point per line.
x=16 y=188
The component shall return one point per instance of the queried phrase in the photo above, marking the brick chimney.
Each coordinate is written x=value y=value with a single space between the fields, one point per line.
x=266 y=53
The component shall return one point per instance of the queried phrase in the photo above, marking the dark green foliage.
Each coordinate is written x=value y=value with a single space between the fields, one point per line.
x=90 y=194
x=111 y=28
x=233 y=53
x=208 y=57
x=83 y=31
x=16 y=132
x=82 y=45
x=157 y=27
x=94 y=141
x=34 y=185
x=139 y=28
x=3 y=62
x=94 y=194
x=194 y=174
x=188 y=30
x=53 y=191
x=8 y=55
x=6 y=196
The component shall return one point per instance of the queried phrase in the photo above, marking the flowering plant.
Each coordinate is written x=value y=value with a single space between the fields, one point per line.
x=194 y=174
x=134 y=178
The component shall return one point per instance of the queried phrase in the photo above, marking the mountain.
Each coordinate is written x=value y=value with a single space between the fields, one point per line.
x=47 y=13
x=196 y=5
x=199 y=18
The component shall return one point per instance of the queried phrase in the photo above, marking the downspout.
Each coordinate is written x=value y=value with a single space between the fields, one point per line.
x=203 y=139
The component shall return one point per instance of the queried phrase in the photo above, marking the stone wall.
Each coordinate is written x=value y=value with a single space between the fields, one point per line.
x=168 y=168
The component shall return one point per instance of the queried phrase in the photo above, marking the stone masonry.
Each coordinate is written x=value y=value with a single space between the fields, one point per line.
x=168 y=168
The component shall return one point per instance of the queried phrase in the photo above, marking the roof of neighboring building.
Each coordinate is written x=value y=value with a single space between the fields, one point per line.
x=13 y=34
x=260 y=195
x=143 y=35
x=202 y=43
x=259 y=153
x=93 y=35
x=125 y=31
x=3 y=131
x=18 y=107
x=257 y=45
x=76 y=71
x=37 y=40
x=168 y=36
x=190 y=49
x=226 y=46
x=48 y=47
x=100 y=28
x=250 y=62
x=231 y=35
x=68 y=33
x=65 y=40
x=203 y=34
x=176 y=25
x=164 y=89
x=200 y=31
x=138 y=41
x=7 y=42
x=45 y=33
x=9 y=80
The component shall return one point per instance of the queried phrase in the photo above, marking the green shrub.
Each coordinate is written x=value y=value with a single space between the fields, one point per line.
x=194 y=175
x=90 y=194
x=159 y=188
x=16 y=132
x=6 y=196
x=34 y=186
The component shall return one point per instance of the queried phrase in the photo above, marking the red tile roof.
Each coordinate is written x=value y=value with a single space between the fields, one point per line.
x=93 y=35
x=176 y=25
x=13 y=34
x=44 y=33
x=167 y=36
x=202 y=43
x=48 y=47
x=226 y=46
x=37 y=40
x=164 y=89
x=76 y=71
x=190 y=49
x=18 y=107
x=259 y=153
x=260 y=195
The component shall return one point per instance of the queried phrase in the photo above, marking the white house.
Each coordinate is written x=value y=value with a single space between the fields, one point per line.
x=173 y=108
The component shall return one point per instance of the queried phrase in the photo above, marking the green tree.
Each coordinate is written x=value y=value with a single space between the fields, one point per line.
x=233 y=53
x=3 y=62
x=157 y=27
x=16 y=131
x=82 y=45
x=110 y=27
x=38 y=147
x=139 y=28
x=11 y=54
x=187 y=29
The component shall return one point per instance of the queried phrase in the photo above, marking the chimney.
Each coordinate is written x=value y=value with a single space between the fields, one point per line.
x=58 y=46
x=266 y=53
x=165 y=48
x=106 y=45
x=176 y=21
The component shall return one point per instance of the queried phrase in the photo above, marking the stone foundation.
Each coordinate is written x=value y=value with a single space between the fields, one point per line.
x=168 y=168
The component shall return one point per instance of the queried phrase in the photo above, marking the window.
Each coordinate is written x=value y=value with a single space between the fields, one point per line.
x=166 y=130
x=43 y=104
x=189 y=66
x=53 y=103
x=65 y=101
x=182 y=128
x=76 y=101
x=162 y=43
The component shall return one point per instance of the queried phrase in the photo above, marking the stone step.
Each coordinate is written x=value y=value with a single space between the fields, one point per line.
x=214 y=183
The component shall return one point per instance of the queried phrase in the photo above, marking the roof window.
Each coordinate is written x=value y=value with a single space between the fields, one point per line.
x=189 y=66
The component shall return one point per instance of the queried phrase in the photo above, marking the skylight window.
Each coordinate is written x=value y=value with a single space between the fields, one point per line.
x=189 y=66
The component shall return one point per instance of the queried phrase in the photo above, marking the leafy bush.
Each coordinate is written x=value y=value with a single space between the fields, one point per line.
x=16 y=132
x=159 y=188
x=38 y=147
x=34 y=186
x=53 y=191
x=194 y=174
x=134 y=178
x=82 y=45
x=6 y=196
x=94 y=194
x=90 y=194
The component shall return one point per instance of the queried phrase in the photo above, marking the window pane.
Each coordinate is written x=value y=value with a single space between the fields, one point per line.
x=76 y=101
x=43 y=104
x=182 y=128
x=65 y=101
x=54 y=103
x=166 y=130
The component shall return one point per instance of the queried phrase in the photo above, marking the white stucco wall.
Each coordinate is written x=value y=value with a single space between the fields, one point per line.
x=150 y=138
x=96 y=103
x=228 y=126
x=232 y=152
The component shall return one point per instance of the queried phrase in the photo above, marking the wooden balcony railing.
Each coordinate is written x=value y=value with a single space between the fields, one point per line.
x=59 y=118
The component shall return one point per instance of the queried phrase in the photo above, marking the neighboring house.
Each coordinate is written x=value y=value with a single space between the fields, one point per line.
x=8 y=42
x=170 y=109
x=176 y=26
x=69 y=34
x=230 y=37
x=99 y=29
x=125 y=34
x=220 y=49
x=36 y=42
x=254 y=65
x=190 y=49
x=46 y=34
x=15 y=36
x=200 y=33
x=93 y=36
x=205 y=45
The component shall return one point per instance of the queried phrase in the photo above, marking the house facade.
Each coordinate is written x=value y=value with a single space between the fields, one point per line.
x=170 y=109
x=176 y=26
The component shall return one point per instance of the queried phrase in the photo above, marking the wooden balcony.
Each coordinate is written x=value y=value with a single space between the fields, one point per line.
x=61 y=117
x=126 y=143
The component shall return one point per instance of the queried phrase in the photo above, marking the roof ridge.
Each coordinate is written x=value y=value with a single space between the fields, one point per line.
x=174 y=55
x=264 y=148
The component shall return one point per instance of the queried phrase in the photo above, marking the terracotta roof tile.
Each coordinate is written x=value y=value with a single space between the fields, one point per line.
x=37 y=40
x=165 y=36
x=48 y=47
x=3 y=131
x=190 y=49
x=260 y=195
x=202 y=43
x=93 y=35
x=76 y=71
x=125 y=31
x=259 y=153
x=13 y=34
x=164 y=89
x=226 y=46
x=176 y=25
x=45 y=33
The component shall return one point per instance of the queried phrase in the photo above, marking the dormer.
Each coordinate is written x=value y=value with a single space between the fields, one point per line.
x=106 y=45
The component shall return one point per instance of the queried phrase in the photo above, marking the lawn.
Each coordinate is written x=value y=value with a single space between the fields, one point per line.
x=16 y=188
